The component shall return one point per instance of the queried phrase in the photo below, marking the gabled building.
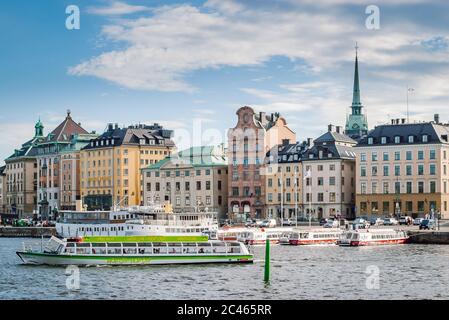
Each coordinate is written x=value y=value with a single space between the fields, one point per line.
x=193 y=179
x=66 y=137
x=111 y=164
x=402 y=168
x=284 y=198
x=329 y=171
x=356 y=122
x=21 y=177
x=249 y=141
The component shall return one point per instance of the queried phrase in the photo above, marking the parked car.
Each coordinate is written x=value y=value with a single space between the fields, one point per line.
x=287 y=222
x=376 y=221
x=250 y=223
x=331 y=224
x=361 y=223
x=323 y=221
x=270 y=223
x=390 y=222
x=417 y=221
x=405 y=220
x=427 y=224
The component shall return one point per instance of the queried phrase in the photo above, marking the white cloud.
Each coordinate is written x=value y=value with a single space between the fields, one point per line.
x=116 y=8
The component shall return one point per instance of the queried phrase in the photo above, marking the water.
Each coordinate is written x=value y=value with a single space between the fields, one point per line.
x=405 y=272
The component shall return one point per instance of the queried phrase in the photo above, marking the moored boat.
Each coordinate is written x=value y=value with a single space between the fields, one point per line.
x=368 y=237
x=136 y=251
x=260 y=236
x=314 y=237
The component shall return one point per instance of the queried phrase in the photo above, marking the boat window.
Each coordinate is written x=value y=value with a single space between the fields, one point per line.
x=98 y=245
x=114 y=245
x=174 y=244
x=126 y=244
x=70 y=245
x=145 y=245
x=189 y=244
x=83 y=245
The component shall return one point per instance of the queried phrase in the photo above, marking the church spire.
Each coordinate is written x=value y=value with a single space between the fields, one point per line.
x=356 y=104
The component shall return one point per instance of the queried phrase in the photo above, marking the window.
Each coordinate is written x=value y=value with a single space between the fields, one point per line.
x=374 y=187
x=374 y=156
x=386 y=188
x=386 y=171
x=408 y=156
x=397 y=187
x=374 y=170
x=320 y=181
x=397 y=139
x=187 y=186
x=370 y=140
x=420 y=155
x=207 y=185
x=425 y=138
x=363 y=157
x=363 y=187
x=397 y=170
x=397 y=156
x=433 y=187
x=411 y=139
x=363 y=171
x=235 y=191
x=332 y=181
x=420 y=187
x=386 y=156
x=320 y=197
x=408 y=170
x=383 y=140
x=433 y=170
x=432 y=155
x=332 y=197
x=198 y=185
x=420 y=169
x=409 y=186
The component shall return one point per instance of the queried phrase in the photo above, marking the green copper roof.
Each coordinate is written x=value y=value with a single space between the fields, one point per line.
x=207 y=156
x=356 y=92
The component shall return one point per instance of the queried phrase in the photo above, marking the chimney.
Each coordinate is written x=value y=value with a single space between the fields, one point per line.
x=392 y=121
x=338 y=129
x=110 y=126
x=403 y=120
x=116 y=126
x=330 y=128
x=309 y=142
x=285 y=142
x=436 y=118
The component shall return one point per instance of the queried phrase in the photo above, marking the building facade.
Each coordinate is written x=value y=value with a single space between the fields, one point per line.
x=402 y=168
x=284 y=198
x=21 y=177
x=196 y=178
x=111 y=164
x=2 y=189
x=328 y=169
x=48 y=158
x=249 y=141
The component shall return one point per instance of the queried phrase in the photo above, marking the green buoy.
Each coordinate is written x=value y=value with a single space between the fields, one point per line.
x=267 y=261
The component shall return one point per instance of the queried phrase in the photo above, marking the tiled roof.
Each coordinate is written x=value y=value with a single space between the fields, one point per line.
x=435 y=133
x=334 y=137
x=286 y=153
x=132 y=136
x=65 y=131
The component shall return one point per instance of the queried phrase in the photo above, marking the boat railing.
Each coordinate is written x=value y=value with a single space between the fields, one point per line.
x=138 y=249
x=174 y=223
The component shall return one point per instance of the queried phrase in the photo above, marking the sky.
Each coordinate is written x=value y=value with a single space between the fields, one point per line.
x=189 y=65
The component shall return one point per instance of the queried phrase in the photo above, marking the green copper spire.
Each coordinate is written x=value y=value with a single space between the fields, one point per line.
x=356 y=104
x=356 y=122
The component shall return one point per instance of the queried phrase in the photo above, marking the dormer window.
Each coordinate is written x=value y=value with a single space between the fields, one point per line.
x=320 y=154
x=102 y=143
x=383 y=140
x=142 y=141
x=92 y=144
x=370 y=140
x=425 y=138
x=397 y=139
x=112 y=142
x=107 y=142
x=411 y=139
x=329 y=155
x=311 y=156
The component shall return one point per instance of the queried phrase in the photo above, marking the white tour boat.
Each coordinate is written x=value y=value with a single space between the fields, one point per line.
x=312 y=237
x=367 y=237
x=154 y=220
x=260 y=236
x=135 y=251
x=231 y=233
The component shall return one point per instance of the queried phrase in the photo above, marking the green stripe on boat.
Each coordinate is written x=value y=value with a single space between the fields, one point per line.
x=92 y=239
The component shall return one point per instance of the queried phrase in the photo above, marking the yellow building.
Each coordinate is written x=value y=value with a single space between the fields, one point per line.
x=111 y=164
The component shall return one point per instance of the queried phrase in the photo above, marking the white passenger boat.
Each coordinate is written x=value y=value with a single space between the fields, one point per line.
x=231 y=233
x=312 y=237
x=154 y=220
x=368 y=237
x=135 y=251
x=260 y=236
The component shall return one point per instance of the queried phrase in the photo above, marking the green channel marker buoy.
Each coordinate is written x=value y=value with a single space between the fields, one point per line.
x=267 y=261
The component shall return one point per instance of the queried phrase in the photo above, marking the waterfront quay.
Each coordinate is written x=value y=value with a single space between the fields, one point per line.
x=26 y=232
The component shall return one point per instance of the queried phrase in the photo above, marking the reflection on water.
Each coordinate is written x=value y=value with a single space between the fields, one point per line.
x=406 y=272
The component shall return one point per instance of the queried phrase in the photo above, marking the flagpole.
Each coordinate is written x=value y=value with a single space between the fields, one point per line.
x=296 y=197
x=282 y=199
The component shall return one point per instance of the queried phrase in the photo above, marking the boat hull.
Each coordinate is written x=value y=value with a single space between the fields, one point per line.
x=313 y=242
x=86 y=260
x=355 y=243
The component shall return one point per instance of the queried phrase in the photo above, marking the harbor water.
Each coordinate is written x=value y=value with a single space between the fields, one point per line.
x=306 y=272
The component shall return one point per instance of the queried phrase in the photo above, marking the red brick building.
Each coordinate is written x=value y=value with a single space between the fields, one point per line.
x=249 y=141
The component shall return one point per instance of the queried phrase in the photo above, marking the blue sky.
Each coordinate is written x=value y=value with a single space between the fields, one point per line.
x=192 y=64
